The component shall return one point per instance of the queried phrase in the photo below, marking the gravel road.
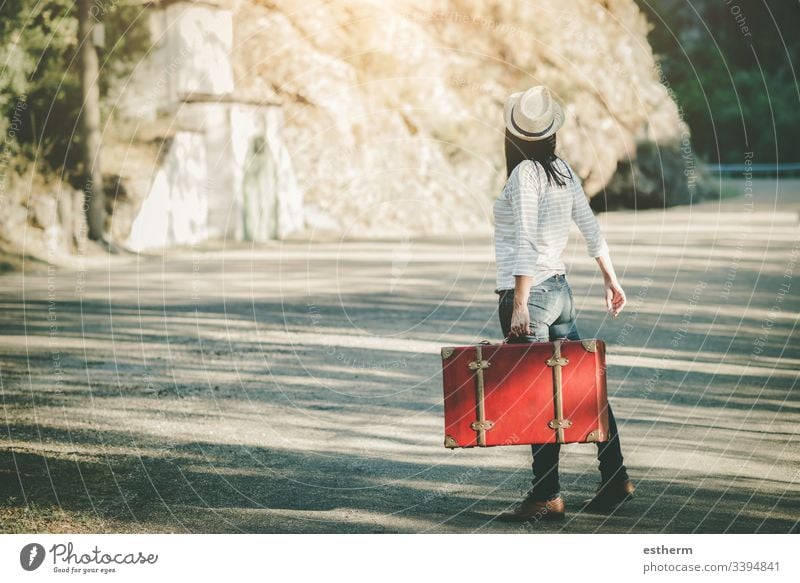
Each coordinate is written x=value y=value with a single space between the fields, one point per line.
x=295 y=387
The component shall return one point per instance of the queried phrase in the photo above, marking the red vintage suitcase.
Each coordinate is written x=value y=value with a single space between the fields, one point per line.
x=510 y=394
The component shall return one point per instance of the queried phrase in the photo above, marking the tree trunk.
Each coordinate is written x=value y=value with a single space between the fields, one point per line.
x=94 y=203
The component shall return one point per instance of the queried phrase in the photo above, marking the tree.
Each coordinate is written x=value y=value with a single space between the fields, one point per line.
x=90 y=123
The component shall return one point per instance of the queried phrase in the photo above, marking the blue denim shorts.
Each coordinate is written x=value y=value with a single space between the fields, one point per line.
x=551 y=308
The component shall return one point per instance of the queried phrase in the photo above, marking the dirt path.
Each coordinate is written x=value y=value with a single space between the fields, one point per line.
x=296 y=387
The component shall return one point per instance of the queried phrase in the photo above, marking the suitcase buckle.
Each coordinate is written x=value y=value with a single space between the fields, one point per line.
x=559 y=423
x=556 y=361
x=481 y=425
x=478 y=364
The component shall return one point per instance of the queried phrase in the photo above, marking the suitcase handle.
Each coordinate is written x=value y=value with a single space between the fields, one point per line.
x=489 y=343
x=507 y=338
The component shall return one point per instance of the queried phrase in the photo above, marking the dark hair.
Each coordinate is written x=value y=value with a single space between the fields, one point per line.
x=541 y=151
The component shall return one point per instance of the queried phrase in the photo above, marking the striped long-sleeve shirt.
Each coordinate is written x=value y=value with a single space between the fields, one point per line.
x=532 y=220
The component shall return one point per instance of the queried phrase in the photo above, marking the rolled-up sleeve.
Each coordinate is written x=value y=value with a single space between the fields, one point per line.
x=525 y=205
x=583 y=216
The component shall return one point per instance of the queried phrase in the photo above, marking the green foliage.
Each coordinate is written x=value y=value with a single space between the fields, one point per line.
x=40 y=91
x=34 y=38
x=659 y=176
x=731 y=67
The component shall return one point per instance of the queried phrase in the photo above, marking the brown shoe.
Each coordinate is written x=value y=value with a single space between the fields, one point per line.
x=531 y=509
x=609 y=495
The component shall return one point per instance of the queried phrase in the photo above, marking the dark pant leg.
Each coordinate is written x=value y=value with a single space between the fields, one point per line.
x=545 y=484
x=609 y=453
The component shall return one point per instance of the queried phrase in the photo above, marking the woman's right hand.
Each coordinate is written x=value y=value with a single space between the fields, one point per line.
x=520 y=320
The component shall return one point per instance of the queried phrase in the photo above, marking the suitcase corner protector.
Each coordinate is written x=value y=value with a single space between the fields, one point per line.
x=589 y=345
x=450 y=442
x=448 y=351
x=594 y=436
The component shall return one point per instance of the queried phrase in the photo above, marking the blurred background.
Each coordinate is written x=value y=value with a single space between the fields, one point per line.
x=235 y=235
x=141 y=125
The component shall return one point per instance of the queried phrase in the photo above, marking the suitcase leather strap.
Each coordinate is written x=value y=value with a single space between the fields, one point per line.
x=481 y=424
x=556 y=362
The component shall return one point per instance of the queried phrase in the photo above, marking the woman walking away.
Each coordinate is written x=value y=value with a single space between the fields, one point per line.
x=532 y=219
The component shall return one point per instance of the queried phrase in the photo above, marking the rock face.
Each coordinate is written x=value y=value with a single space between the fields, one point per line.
x=394 y=109
x=363 y=118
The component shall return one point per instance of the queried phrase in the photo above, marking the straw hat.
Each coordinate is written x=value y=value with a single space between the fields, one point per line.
x=533 y=114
